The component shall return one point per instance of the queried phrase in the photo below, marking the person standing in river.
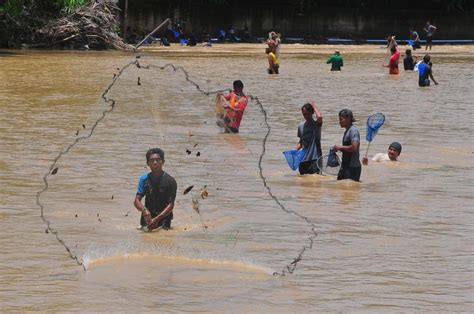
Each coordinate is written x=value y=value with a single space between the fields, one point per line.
x=336 y=61
x=159 y=190
x=350 y=165
x=309 y=133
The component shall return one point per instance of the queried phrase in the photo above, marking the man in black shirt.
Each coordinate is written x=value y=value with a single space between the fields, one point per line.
x=409 y=61
x=159 y=190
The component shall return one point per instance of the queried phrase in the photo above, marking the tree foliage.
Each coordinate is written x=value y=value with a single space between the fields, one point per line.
x=15 y=7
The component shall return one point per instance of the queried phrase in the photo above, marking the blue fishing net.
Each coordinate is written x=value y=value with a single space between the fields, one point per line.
x=332 y=159
x=374 y=122
x=294 y=158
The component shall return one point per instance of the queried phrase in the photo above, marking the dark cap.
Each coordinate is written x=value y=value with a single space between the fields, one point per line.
x=397 y=146
x=346 y=113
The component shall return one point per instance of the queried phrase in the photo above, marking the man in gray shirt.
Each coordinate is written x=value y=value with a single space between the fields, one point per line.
x=350 y=165
x=309 y=133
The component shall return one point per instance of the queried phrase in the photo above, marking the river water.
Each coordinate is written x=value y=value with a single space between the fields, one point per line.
x=401 y=240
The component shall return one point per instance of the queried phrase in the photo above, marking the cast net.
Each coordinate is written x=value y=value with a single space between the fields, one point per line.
x=150 y=103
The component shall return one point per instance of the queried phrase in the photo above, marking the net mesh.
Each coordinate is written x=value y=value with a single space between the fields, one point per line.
x=294 y=158
x=329 y=164
x=374 y=122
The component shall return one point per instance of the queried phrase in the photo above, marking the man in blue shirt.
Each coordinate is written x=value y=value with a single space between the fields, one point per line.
x=425 y=72
x=159 y=190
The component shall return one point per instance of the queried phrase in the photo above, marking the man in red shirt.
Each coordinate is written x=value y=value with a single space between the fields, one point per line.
x=393 y=63
x=234 y=107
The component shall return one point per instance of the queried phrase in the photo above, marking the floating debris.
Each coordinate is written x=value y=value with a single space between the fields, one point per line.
x=204 y=194
x=188 y=151
x=190 y=133
x=75 y=215
x=100 y=220
x=126 y=215
x=46 y=231
x=55 y=170
x=112 y=196
x=189 y=188
x=138 y=82
x=77 y=132
x=195 y=145
x=198 y=154
x=196 y=206
x=83 y=126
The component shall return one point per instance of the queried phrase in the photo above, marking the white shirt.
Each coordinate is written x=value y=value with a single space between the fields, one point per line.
x=381 y=157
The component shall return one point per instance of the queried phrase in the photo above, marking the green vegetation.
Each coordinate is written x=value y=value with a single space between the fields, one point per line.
x=15 y=7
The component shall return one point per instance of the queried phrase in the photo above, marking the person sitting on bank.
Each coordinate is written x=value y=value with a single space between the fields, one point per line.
x=336 y=61
x=273 y=62
x=409 y=61
x=234 y=106
x=425 y=72
x=415 y=38
x=159 y=190
x=392 y=154
x=309 y=133
x=393 y=62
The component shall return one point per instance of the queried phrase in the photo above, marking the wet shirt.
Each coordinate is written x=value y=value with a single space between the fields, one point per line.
x=381 y=157
x=274 y=59
x=350 y=159
x=235 y=111
x=336 y=62
x=310 y=139
x=158 y=192
x=424 y=71
x=393 y=63
x=408 y=63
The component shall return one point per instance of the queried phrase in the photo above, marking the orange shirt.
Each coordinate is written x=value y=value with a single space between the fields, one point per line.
x=235 y=111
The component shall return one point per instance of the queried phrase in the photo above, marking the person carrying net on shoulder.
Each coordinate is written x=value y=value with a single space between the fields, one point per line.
x=230 y=107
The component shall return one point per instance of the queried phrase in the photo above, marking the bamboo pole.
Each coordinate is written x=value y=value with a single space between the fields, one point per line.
x=157 y=28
